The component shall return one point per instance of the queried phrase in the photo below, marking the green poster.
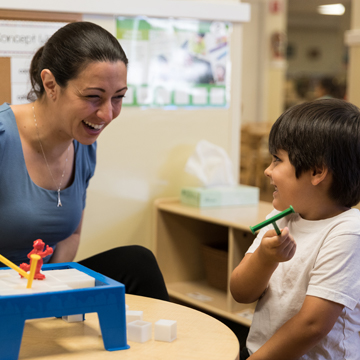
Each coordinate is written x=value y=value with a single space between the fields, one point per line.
x=176 y=63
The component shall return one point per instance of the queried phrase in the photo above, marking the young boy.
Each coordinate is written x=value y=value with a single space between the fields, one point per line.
x=307 y=280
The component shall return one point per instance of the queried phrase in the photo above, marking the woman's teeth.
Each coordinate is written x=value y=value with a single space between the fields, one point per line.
x=94 y=126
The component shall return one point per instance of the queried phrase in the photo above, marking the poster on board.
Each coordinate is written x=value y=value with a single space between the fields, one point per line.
x=176 y=62
x=19 y=40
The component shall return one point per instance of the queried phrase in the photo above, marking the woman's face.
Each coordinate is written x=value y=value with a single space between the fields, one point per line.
x=92 y=100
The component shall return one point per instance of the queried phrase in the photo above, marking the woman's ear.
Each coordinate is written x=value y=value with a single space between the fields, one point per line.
x=319 y=174
x=49 y=83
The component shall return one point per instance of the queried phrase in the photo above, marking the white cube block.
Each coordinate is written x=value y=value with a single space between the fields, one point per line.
x=74 y=318
x=132 y=315
x=165 y=330
x=139 y=331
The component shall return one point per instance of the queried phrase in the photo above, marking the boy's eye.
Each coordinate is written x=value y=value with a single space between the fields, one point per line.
x=275 y=158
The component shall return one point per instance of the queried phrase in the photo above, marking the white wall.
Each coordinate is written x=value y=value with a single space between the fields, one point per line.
x=142 y=156
x=330 y=44
x=325 y=33
x=263 y=79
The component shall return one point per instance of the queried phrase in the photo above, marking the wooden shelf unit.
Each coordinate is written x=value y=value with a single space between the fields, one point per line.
x=179 y=233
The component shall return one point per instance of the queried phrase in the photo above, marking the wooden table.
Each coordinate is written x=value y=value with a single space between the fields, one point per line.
x=199 y=336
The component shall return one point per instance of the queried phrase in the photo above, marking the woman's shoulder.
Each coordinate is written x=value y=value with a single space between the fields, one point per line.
x=5 y=106
x=6 y=117
x=5 y=111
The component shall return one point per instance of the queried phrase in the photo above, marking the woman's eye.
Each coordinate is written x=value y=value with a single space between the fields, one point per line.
x=118 y=97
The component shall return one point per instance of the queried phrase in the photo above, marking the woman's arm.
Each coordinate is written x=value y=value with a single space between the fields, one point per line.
x=65 y=250
x=251 y=277
x=302 y=332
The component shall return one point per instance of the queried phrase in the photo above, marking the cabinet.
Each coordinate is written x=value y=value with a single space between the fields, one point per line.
x=180 y=232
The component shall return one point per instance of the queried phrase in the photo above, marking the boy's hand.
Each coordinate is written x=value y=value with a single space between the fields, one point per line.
x=277 y=248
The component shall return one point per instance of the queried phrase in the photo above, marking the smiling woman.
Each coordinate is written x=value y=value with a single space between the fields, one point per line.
x=48 y=154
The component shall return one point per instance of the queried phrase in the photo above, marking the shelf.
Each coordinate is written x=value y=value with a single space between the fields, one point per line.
x=202 y=296
x=239 y=217
x=180 y=232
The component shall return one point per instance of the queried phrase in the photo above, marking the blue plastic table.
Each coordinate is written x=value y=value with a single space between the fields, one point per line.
x=107 y=298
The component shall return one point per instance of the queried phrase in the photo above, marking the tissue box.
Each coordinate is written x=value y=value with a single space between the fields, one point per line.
x=220 y=196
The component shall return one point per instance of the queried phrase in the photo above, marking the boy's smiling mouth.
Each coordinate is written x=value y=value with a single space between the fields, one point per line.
x=275 y=189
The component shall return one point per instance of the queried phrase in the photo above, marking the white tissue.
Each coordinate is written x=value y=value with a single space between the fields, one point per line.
x=211 y=165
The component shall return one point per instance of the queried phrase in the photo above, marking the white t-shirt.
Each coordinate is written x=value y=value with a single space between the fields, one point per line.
x=326 y=265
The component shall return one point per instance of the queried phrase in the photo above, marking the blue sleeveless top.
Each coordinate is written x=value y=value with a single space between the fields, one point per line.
x=29 y=212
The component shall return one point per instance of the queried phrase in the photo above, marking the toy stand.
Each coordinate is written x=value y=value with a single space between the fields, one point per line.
x=107 y=298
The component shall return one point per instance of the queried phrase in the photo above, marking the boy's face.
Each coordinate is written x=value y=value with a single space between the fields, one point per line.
x=289 y=190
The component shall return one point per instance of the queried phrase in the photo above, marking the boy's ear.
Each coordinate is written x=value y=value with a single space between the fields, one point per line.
x=319 y=174
x=49 y=82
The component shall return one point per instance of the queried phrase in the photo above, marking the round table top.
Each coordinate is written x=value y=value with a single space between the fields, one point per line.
x=199 y=336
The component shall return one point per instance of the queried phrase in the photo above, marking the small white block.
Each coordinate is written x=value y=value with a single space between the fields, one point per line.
x=127 y=307
x=74 y=318
x=139 y=331
x=165 y=330
x=132 y=315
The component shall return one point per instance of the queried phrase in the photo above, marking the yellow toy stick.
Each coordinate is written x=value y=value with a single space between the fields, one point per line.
x=35 y=258
x=14 y=267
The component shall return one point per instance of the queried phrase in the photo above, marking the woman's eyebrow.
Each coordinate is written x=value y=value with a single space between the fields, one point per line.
x=103 y=90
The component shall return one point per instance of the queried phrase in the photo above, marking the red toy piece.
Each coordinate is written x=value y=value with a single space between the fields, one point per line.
x=39 y=250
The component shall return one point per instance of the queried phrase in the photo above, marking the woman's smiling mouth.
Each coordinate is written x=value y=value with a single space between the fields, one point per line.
x=93 y=126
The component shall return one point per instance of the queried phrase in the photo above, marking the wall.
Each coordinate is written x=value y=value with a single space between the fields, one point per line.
x=328 y=39
x=263 y=80
x=309 y=30
x=353 y=40
x=142 y=156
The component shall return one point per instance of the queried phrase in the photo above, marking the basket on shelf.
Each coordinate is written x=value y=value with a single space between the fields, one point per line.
x=215 y=258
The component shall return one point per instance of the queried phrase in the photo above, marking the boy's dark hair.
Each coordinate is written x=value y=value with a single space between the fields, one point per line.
x=69 y=50
x=323 y=132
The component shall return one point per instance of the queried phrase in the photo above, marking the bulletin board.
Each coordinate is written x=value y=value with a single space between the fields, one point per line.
x=14 y=70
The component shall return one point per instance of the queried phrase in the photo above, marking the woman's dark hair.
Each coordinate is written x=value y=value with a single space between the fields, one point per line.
x=70 y=50
x=323 y=132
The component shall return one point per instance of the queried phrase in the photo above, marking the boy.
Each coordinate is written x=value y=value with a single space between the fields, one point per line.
x=307 y=280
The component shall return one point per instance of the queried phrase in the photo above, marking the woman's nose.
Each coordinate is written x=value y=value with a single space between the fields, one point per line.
x=105 y=112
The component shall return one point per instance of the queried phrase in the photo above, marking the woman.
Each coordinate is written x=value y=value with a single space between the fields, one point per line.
x=48 y=154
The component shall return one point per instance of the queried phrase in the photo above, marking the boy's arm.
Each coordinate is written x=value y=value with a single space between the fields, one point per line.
x=251 y=277
x=302 y=332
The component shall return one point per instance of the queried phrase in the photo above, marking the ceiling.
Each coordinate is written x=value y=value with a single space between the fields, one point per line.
x=303 y=13
x=310 y=6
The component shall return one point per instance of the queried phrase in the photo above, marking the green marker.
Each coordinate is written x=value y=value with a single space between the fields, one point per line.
x=272 y=221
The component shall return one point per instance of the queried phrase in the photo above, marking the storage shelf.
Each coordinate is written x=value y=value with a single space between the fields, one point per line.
x=205 y=297
x=180 y=232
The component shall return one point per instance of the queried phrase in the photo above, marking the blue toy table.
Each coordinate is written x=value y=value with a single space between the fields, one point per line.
x=107 y=298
